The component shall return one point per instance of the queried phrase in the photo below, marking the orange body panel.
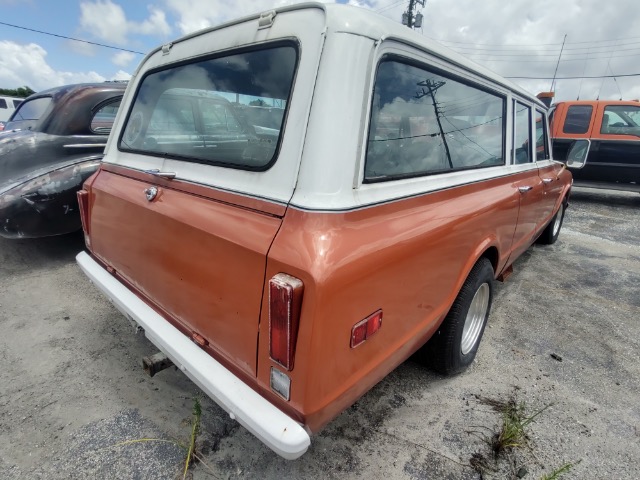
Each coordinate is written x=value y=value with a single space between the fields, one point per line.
x=408 y=258
x=202 y=259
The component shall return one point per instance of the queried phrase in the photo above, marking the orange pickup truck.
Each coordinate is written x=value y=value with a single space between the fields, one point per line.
x=610 y=131
x=287 y=261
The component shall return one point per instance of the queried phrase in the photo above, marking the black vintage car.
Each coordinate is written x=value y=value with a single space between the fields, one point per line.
x=51 y=144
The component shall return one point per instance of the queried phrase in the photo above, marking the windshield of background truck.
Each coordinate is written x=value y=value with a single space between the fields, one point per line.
x=206 y=111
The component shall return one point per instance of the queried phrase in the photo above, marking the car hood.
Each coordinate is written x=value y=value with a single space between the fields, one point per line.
x=25 y=154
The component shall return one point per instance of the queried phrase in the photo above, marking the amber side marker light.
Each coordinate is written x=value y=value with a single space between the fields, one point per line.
x=366 y=328
x=285 y=301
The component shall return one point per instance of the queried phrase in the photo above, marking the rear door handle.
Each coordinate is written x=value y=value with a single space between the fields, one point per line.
x=524 y=189
x=547 y=180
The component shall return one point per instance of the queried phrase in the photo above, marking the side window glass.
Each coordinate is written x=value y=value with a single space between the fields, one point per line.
x=522 y=134
x=423 y=122
x=578 y=119
x=173 y=115
x=621 y=120
x=16 y=103
x=218 y=118
x=542 y=144
x=104 y=117
x=3 y=103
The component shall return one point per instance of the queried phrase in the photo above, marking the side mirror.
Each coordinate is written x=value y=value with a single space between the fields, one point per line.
x=578 y=152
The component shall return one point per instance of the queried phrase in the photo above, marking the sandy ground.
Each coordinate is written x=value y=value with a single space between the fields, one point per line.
x=72 y=389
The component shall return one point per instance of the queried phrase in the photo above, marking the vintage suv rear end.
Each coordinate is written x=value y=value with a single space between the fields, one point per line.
x=292 y=204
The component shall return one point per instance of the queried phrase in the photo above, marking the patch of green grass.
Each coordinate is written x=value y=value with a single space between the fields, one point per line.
x=190 y=448
x=513 y=430
x=195 y=430
x=511 y=433
x=558 y=472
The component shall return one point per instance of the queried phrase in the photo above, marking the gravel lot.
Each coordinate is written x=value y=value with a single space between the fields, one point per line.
x=72 y=387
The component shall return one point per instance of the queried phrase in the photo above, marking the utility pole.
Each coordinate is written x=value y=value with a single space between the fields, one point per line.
x=411 y=20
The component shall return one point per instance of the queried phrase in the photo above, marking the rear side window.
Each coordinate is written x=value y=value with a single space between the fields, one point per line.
x=578 y=119
x=621 y=120
x=542 y=144
x=522 y=134
x=104 y=117
x=3 y=103
x=32 y=109
x=424 y=122
x=203 y=111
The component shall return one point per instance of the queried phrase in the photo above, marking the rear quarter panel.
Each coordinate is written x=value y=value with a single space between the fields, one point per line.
x=408 y=257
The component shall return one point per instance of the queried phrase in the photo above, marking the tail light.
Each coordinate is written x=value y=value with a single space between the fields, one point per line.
x=83 y=203
x=285 y=300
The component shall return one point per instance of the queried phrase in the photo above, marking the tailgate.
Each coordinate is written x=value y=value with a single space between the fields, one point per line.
x=198 y=260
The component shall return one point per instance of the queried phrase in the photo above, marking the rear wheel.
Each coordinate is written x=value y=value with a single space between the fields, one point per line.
x=551 y=232
x=455 y=344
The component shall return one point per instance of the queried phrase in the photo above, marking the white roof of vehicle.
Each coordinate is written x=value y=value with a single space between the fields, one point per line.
x=367 y=23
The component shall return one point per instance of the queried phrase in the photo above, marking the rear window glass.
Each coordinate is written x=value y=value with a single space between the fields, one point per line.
x=578 y=119
x=225 y=111
x=32 y=109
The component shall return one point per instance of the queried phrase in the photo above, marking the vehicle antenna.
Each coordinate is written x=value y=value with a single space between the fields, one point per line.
x=584 y=69
x=616 y=82
x=558 y=64
x=608 y=67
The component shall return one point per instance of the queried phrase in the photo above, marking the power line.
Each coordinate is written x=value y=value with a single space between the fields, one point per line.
x=531 y=44
x=71 y=38
x=389 y=6
x=578 y=78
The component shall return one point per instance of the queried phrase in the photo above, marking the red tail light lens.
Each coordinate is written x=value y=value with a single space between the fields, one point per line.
x=285 y=300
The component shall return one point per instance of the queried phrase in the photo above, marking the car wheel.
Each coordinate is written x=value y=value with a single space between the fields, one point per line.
x=454 y=345
x=551 y=232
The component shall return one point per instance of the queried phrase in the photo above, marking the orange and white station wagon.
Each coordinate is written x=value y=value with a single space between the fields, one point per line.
x=292 y=204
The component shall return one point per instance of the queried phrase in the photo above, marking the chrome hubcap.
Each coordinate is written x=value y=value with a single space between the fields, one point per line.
x=475 y=318
x=558 y=221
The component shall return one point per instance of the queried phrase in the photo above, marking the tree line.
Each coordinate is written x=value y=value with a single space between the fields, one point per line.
x=21 y=92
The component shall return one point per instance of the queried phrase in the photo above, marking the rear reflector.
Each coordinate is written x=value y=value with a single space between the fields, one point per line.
x=365 y=328
x=285 y=300
x=280 y=383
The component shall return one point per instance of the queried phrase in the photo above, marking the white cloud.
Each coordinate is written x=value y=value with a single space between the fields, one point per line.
x=121 y=75
x=26 y=64
x=107 y=21
x=122 y=59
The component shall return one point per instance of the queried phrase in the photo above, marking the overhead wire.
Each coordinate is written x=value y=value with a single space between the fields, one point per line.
x=71 y=38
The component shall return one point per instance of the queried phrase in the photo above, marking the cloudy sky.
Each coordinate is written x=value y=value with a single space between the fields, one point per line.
x=518 y=38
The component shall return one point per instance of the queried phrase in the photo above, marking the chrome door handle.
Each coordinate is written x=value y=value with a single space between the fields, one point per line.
x=158 y=173
x=547 y=180
x=524 y=189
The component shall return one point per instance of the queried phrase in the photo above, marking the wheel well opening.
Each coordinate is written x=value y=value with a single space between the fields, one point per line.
x=491 y=254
